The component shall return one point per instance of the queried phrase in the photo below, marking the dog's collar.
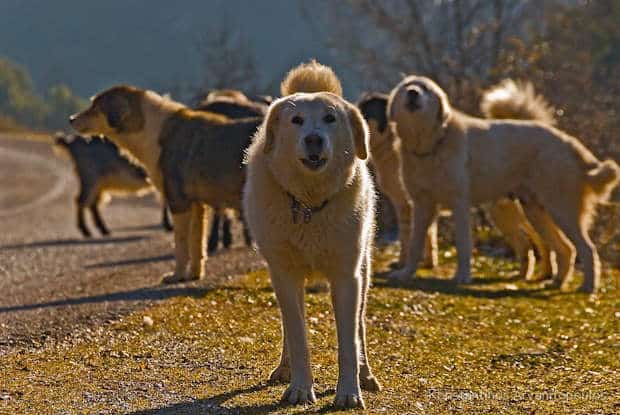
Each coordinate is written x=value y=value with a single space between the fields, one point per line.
x=299 y=208
x=433 y=150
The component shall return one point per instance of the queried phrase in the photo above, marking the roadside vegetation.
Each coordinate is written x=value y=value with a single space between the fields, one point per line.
x=498 y=346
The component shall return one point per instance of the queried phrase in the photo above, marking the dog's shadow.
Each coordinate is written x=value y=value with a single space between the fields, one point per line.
x=72 y=242
x=215 y=403
x=447 y=286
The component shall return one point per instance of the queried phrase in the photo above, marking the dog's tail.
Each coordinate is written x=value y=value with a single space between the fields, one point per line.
x=603 y=178
x=516 y=100
x=311 y=77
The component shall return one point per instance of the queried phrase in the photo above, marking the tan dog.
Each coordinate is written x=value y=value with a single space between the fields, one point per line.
x=506 y=214
x=192 y=157
x=387 y=163
x=518 y=101
x=309 y=201
x=457 y=161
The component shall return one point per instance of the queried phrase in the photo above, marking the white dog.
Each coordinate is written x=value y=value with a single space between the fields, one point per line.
x=457 y=161
x=309 y=202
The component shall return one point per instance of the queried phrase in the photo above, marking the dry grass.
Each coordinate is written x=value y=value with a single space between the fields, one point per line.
x=521 y=349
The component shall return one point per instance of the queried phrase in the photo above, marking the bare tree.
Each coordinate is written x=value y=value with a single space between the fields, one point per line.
x=448 y=40
x=228 y=62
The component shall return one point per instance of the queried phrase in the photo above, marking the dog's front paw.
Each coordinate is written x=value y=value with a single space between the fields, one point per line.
x=281 y=374
x=370 y=383
x=173 y=278
x=299 y=394
x=462 y=278
x=349 y=400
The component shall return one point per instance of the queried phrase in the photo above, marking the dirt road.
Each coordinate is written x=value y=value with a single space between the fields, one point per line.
x=52 y=281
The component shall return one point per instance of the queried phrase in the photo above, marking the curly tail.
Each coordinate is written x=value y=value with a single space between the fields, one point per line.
x=603 y=178
x=311 y=77
x=516 y=100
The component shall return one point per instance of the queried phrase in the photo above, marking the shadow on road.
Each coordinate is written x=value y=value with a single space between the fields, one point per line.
x=72 y=241
x=127 y=262
x=214 y=404
x=136 y=228
x=160 y=292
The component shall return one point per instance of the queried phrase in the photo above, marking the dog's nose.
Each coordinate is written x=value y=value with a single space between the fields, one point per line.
x=314 y=144
x=72 y=118
x=412 y=95
x=413 y=103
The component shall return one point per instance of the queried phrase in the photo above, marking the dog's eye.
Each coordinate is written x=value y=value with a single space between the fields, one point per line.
x=297 y=120
x=329 y=118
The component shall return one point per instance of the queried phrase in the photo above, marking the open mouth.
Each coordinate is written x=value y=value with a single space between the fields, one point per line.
x=314 y=162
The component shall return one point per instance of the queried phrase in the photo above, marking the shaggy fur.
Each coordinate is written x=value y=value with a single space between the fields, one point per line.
x=454 y=160
x=309 y=201
x=517 y=100
x=232 y=104
x=386 y=160
x=102 y=171
x=192 y=157
x=506 y=214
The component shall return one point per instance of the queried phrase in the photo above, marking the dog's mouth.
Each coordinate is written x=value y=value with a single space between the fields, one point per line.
x=78 y=124
x=314 y=162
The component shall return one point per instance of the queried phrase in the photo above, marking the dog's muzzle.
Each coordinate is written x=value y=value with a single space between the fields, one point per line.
x=314 y=146
x=413 y=99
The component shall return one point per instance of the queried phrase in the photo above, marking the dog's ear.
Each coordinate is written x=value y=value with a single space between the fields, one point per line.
x=359 y=129
x=116 y=109
x=271 y=121
x=445 y=111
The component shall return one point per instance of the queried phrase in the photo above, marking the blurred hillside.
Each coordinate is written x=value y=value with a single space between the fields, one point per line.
x=151 y=43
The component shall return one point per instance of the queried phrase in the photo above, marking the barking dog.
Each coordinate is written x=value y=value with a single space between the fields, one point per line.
x=194 y=158
x=102 y=171
x=309 y=201
x=457 y=161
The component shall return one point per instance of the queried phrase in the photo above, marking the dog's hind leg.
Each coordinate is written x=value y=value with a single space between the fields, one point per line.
x=181 y=222
x=226 y=231
x=197 y=241
x=575 y=227
x=85 y=198
x=81 y=221
x=509 y=219
x=431 y=250
x=542 y=248
x=367 y=379
x=554 y=239
x=463 y=241
x=165 y=219
x=214 y=233
x=94 y=209
x=424 y=213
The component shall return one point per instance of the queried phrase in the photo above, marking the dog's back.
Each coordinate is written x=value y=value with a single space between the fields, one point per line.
x=233 y=108
x=99 y=164
x=209 y=148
